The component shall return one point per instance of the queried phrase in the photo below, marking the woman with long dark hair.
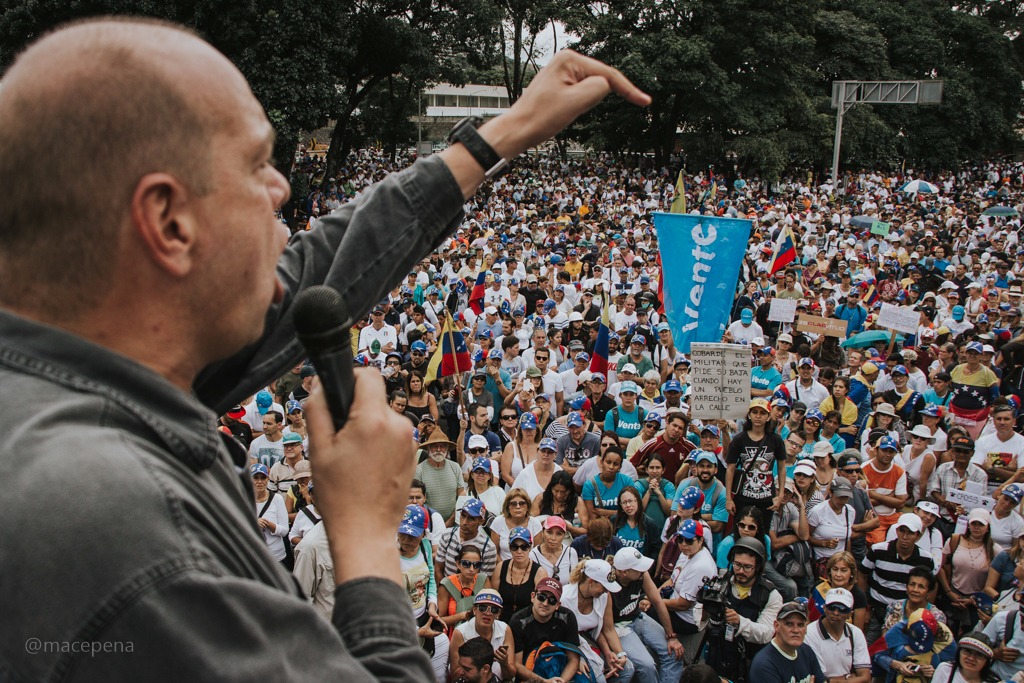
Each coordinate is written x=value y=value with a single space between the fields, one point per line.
x=559 y=498
x=752 y=455
x=972 y=664
x=634 y=528
x=522 y=450
x=749 y=524
x=420 y=401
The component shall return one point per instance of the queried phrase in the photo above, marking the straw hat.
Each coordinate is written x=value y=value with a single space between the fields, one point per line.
x=437 y=436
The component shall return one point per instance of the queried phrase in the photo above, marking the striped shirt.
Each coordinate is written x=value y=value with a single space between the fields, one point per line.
x=887 y=571
x=451 y=543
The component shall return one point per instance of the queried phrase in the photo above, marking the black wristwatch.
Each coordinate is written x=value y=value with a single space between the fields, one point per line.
x=465 y=132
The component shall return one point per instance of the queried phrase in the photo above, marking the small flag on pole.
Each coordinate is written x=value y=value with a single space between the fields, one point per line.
x=452 y=354
x=785 y=251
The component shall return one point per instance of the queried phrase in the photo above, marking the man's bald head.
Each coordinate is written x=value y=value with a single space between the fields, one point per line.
x=85 y=113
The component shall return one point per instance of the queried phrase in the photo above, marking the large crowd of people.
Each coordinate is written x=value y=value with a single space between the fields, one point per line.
x=863 y=518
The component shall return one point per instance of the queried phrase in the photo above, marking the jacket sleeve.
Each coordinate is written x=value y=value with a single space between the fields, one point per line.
x=241 y=630
x=762 y=630
x=361 y=250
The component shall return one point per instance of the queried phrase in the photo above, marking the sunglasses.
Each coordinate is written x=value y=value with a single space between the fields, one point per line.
x=841 y=609
x=477 y=450
x=519 y=546
x=517 y=503
x=466 y=564
x=508 y=417
x=748 y=527
x=687 y=541
x=489 y=609
x=852 y=470
x=548 y=598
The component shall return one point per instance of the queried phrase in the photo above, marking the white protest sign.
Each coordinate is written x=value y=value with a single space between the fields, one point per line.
x=969 y=500
x=900 y=318
x=719 y=381
x=782 y=310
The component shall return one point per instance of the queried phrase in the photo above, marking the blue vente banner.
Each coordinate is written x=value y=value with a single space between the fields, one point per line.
x=700 y=259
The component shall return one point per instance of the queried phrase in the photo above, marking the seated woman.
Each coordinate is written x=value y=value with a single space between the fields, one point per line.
x=633 y=527
x=485 y=624
x=457 y=593
x=913 y=648
x=749 y=523
x=599 y=542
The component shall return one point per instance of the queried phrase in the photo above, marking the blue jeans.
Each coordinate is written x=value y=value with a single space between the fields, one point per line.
x=623 y=676
x=646 y=637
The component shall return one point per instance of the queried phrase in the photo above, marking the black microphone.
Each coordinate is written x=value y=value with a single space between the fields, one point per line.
x=322 y=325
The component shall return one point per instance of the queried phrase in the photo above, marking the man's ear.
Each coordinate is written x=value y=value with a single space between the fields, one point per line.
x=162 y=216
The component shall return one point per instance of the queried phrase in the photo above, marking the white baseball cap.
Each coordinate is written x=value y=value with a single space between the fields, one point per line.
x=929 y=506
x=839 y=596
x=911 y=521
x=631 y=558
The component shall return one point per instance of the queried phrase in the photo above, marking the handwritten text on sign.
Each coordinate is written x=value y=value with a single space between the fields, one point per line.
x=719 y=381
x=900 y=318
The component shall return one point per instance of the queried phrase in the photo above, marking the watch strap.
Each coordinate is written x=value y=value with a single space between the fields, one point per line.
x=465 y=131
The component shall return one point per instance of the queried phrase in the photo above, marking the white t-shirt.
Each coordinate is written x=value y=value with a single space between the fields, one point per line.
x=989 y=447
x=839 y=657
x=742 y=334
x=278 y=514
x=687 y=578
x=811 y=396
x=828 y=524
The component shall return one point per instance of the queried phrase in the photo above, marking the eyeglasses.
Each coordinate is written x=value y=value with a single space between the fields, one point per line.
x=841 y=609
x=477 y=450
x=973 y=654
x=744 y=567
x=466 y=564
x=489 y=609
x=687 y=541
x=748 y=527
x=852 y=470
x=548 y=598
x=517 y=503
x=521 y=547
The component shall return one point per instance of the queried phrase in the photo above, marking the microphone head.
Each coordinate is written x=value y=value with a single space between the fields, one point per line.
x=317 y=310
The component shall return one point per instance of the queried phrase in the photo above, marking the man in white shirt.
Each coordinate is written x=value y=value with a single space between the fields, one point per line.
x=840 y=646
x=805 y=388
x=744 y=330
x=999 y=452
x=377 y=330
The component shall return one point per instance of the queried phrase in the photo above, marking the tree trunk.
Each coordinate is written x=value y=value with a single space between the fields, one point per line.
x=341 y=143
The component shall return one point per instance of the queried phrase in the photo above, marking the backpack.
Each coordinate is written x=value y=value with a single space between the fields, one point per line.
x=615 y=415
x=548 y=661
x=793 y=560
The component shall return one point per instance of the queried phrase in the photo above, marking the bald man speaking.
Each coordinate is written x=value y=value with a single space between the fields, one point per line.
x=145 y=287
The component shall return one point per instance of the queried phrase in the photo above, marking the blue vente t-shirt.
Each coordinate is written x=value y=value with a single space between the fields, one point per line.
x=628 y=424
x=606 y=497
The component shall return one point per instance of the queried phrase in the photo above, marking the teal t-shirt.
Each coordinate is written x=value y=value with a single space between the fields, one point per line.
x=628 y=425
x=606 y=498
x=653 y=509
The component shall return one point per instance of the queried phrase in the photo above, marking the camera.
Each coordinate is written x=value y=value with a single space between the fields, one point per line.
x=713 y=594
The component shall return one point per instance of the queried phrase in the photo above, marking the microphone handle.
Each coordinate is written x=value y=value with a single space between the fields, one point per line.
x=333 y=363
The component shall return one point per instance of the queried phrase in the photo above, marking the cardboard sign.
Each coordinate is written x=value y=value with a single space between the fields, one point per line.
x=782 y=310
x=969 y=500
x=719 y=381
x=900 y=318
x=880 y=228
x=830 y=327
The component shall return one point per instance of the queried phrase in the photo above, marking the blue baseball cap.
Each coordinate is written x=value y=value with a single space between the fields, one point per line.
x=976 y=347
x=899 y=370
x=673 y=385
x=713 y=429
x=1015 y=492
x=699 y=456
x=263 y=402
x=474 y=507
x=494 y=353
x=547 y=443
x=291 y=437
x=746 y=315
x=414 y=522
x=653 y=417
x=418 y=346
x=549 y=304
x=639 y=339
x=888 y=443
x=690 y=528
x=814 y=414
x=574 y=420
x=629 y=387
x=528 y=421
x=258 y=468
x=692 y=498
x=292 y=406
x=931 y=410
x=520 y=533
x=958 y=313
x=662 y=327
x=481 y=464
x=582 y=356
x=982 y=318
x=598 y=377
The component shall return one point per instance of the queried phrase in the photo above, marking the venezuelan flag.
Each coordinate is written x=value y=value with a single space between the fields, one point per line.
x=476 y=296
x=451 y=356
x=785 y=251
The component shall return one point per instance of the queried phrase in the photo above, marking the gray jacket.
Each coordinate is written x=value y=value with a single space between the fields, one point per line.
x=129 y=548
